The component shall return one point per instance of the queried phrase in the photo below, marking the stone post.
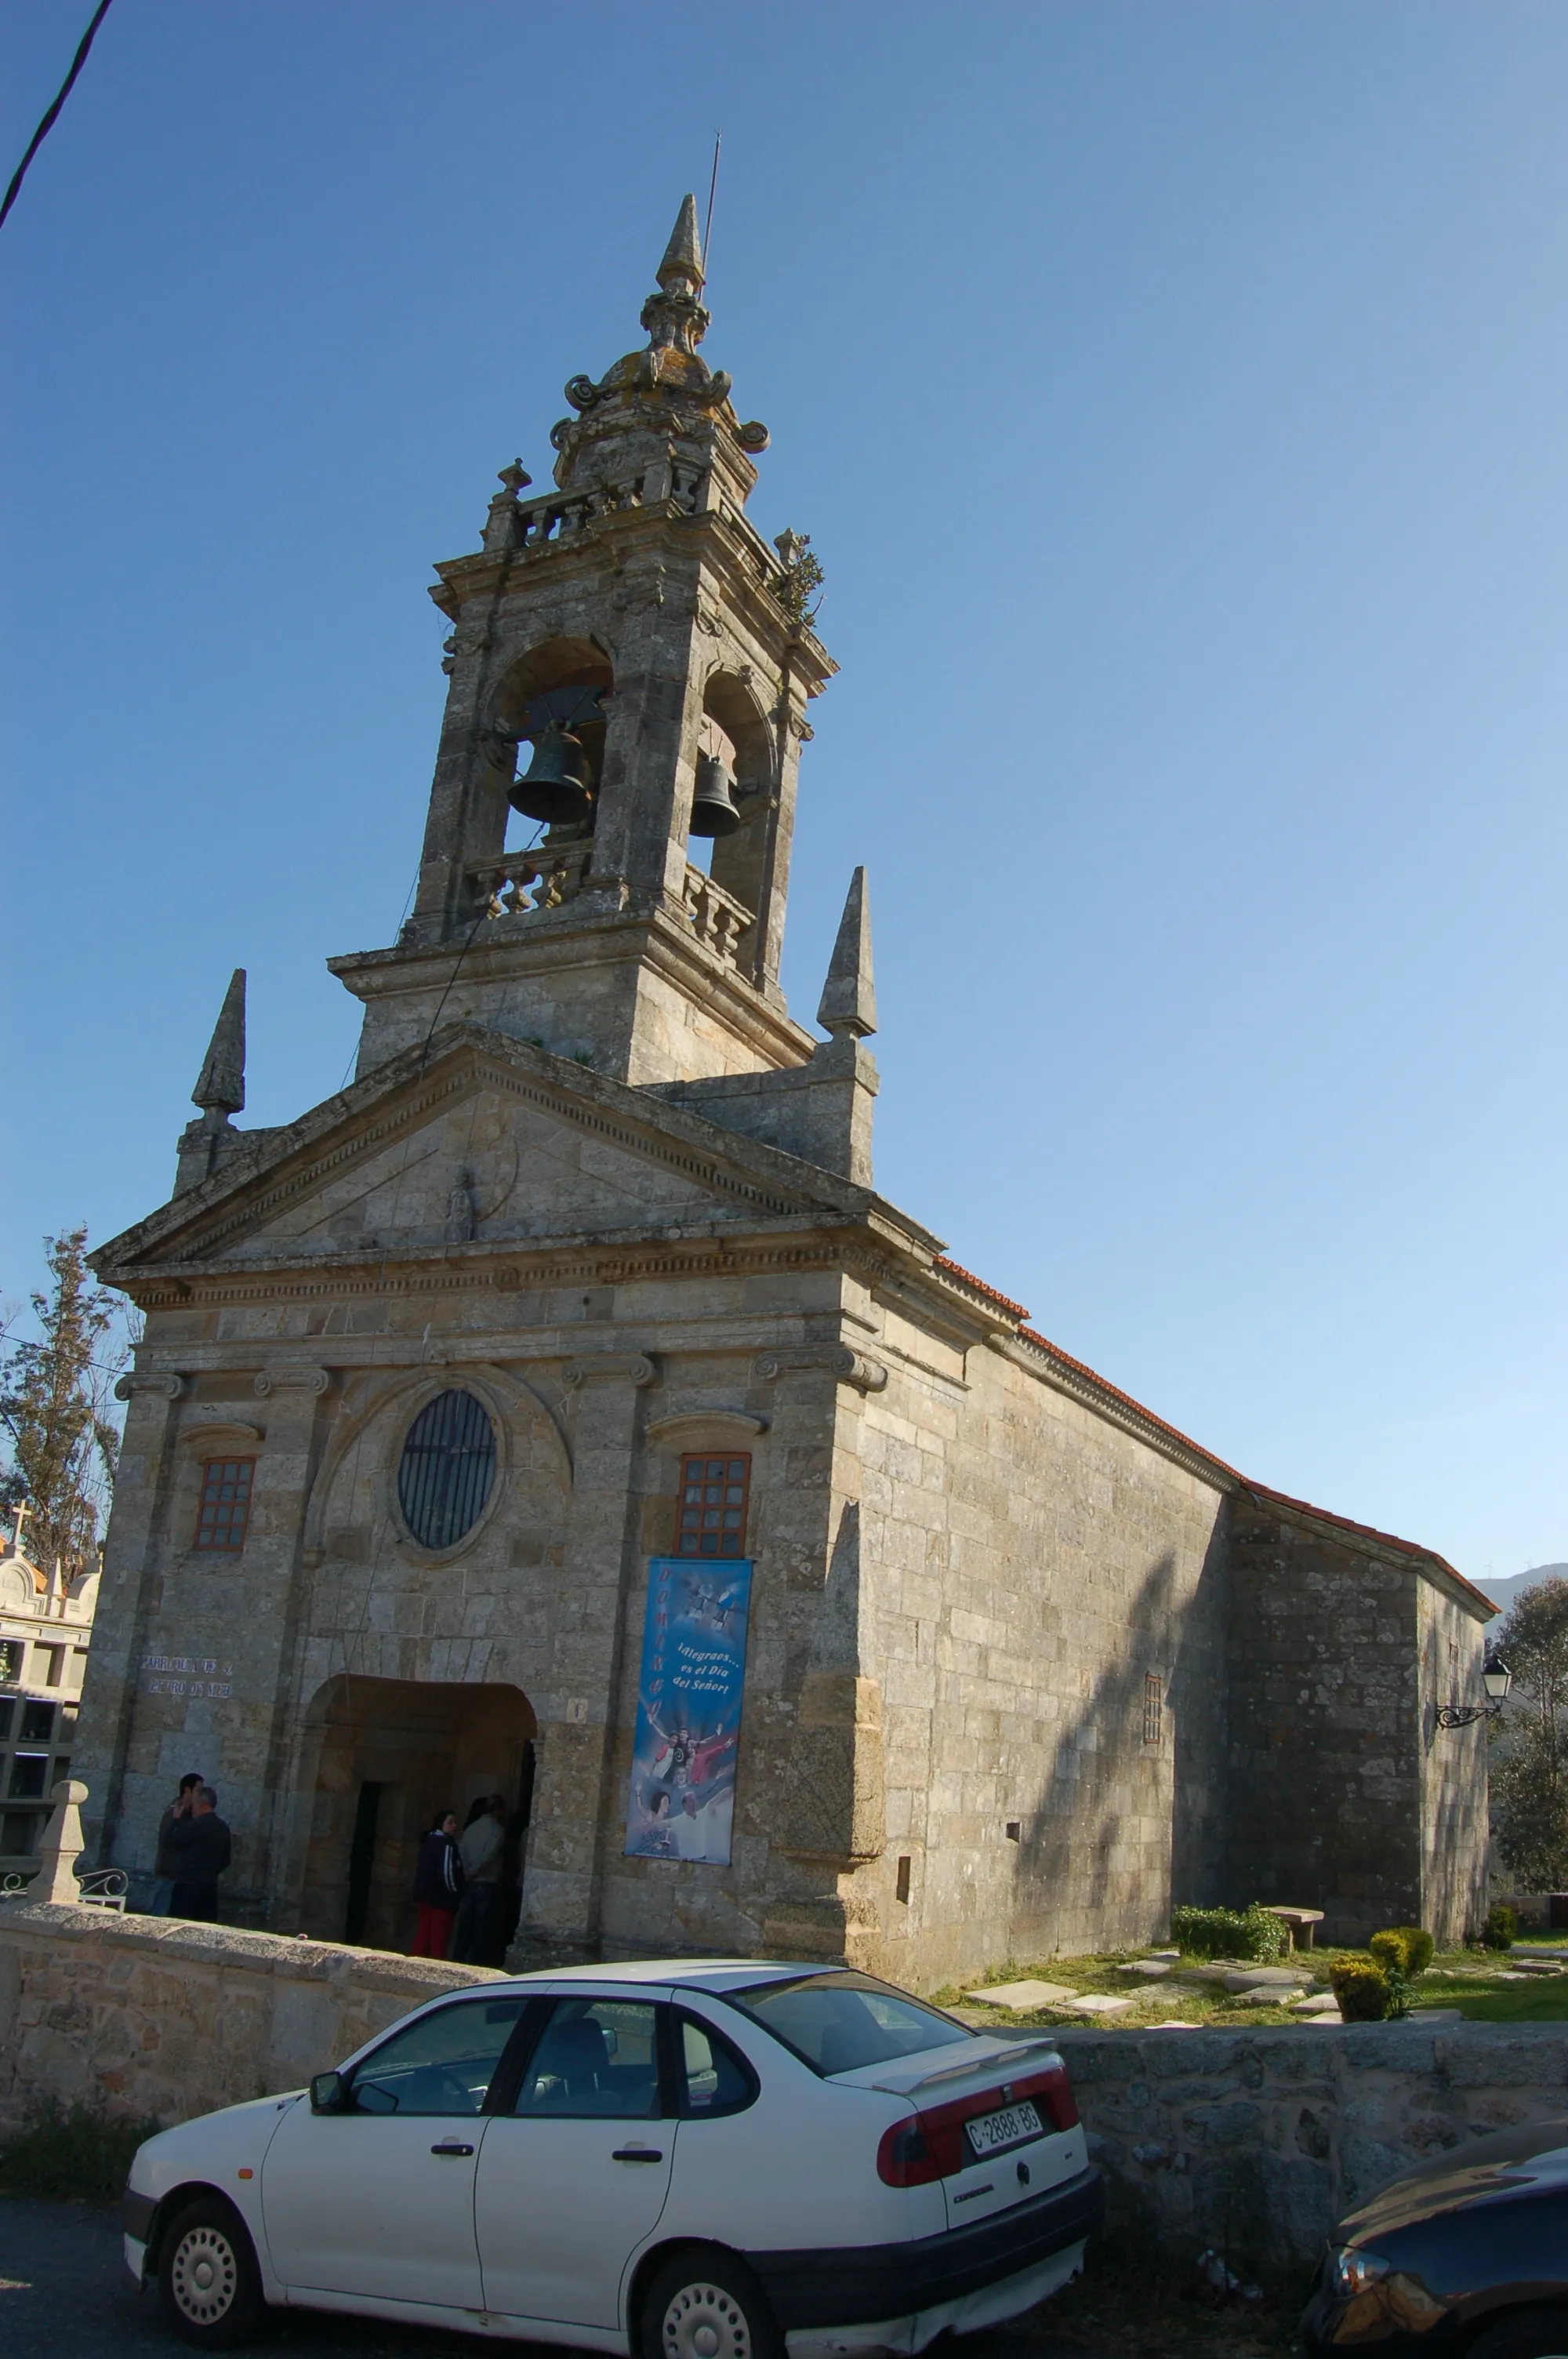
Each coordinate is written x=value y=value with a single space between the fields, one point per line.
x=574 y=1750
x=61 y=1847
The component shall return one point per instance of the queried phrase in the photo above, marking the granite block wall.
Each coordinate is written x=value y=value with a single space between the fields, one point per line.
x=1342 y=1793
x=149 y=2016
x=1256 y=2143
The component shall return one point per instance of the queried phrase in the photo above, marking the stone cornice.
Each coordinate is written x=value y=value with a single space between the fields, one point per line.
x=659 y=938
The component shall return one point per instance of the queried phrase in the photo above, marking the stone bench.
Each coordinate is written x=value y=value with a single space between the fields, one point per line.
x=1298 y=1923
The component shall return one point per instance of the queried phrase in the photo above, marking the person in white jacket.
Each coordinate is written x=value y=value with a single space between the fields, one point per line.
x=476 y=1935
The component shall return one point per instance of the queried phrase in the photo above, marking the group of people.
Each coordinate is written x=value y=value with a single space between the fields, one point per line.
x=464 y=1882
x=465 y=1886
x=194 y=1847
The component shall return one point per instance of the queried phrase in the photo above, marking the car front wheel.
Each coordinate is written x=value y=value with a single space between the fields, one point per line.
x=208 y=2279
x=708 y=2305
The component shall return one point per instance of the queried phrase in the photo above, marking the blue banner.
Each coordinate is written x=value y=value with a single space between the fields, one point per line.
x=681 y=1804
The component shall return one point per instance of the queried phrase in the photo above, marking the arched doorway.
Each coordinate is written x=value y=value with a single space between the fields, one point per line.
x=391 y=1753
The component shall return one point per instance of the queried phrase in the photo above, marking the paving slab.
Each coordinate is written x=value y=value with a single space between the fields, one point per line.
x=1154 y=1969
x=1020 y=1996
x=1096 y=2003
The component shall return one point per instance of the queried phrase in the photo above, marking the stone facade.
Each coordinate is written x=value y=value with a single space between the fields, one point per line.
x=1015 y=1644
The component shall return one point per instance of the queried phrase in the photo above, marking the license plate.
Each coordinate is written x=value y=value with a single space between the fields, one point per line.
x=992 y=2132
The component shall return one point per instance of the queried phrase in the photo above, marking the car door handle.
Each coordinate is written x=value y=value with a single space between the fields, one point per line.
x=451 y=2146
x=637 y=2154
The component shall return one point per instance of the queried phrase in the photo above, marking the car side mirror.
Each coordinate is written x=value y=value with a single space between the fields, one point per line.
x=328 y=2093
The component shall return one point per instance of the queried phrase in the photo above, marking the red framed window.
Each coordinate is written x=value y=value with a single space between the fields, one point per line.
x=225 y=1502
x=714 y=1496
x=1154 y=1707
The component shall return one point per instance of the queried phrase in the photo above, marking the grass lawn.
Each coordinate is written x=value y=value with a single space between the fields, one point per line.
x=1475 y=1981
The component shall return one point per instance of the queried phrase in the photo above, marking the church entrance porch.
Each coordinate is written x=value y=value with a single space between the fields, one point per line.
x=392 y=1753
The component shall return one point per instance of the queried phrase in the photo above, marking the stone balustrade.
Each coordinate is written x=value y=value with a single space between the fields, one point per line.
x=526 y=884
x=527 y=527
x=719 y=922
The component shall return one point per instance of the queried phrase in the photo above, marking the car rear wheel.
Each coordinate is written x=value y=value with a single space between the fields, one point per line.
x=707 y=2305
x=208 y=2279
x=1525 y=2334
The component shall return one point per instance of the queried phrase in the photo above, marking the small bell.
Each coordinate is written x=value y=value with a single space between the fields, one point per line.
x=555 y=786
x=712 y=811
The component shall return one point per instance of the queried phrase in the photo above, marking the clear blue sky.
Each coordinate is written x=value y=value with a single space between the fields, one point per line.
x=1175 y=396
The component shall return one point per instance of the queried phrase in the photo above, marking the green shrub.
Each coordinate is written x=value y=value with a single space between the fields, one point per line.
x=1361 y=1989
x=1403 y=1950
x=83 y=2155
x=1247 y=1933
x=1500 y=1927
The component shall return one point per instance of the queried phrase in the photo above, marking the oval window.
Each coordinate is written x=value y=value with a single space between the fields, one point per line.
x=449 y=1465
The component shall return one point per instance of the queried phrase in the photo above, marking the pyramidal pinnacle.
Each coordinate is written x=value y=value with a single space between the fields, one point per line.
x=221 y=1084
x=848 y=1002
x=683 y=255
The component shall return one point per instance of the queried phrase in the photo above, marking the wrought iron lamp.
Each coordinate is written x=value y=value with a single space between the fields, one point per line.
x=1496 y=1679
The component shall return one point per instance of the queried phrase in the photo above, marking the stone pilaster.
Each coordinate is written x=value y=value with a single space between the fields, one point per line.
x=264 y=1705
x=575 y=1813
x=130 y=1569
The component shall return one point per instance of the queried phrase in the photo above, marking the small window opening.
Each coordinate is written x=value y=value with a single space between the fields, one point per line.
x=225 y=1502
x=1453 y=1671
x=1015 y=1831
x=1154 y=1707
x=901 y=1885
x=714 y=1495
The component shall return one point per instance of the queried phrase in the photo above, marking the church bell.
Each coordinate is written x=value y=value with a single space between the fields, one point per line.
x=712 y=811
x=555 y=787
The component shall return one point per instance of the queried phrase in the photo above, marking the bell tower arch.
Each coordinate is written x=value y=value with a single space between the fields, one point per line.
x=630 y=664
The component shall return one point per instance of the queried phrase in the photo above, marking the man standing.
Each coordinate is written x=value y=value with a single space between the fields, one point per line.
x=200 y=1849
x=163 y=1869
x=475 y=1940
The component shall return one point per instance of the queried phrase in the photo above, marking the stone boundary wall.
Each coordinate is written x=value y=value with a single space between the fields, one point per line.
x=150 y=2014
x=1257 y=2142
x=1253 y=2141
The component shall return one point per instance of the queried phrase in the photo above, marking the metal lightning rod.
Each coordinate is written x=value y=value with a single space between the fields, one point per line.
x=712 y=186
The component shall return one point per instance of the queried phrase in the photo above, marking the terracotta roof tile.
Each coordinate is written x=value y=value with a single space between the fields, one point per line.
x=954 y=1269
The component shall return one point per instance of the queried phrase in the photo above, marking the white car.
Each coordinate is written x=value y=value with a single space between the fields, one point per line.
x=718 y=2160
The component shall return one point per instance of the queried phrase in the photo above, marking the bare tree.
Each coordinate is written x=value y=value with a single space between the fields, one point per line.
x=58 y=1410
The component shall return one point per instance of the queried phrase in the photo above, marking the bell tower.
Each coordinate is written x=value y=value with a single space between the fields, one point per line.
x=630 y=668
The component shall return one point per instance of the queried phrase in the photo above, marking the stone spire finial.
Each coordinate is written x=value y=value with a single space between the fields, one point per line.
x=683 y=255
x=848 y=1005
x=221 y=1084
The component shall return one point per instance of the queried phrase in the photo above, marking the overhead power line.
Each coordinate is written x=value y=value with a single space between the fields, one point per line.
x=46 y=125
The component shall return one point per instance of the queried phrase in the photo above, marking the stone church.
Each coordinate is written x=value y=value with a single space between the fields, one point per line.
x=585 y=1278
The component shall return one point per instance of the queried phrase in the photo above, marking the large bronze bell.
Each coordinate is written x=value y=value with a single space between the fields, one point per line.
x=712 y=811
x=555 y=787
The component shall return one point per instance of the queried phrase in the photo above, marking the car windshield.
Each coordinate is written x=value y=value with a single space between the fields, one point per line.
x=838 y=2023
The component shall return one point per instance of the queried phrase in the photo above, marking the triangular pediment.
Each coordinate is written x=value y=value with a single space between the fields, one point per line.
x=482 y=1140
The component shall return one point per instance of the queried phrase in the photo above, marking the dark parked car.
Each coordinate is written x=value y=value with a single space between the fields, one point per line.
x=1469 y=2256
